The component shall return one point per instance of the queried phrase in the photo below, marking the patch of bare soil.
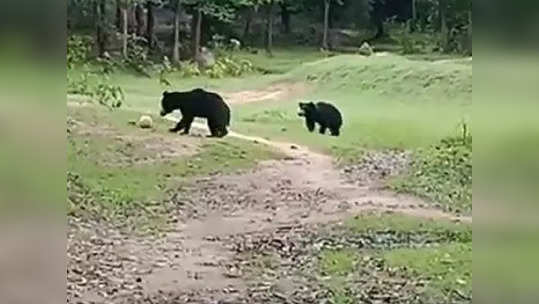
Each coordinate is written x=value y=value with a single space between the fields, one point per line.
x=377 y=166
x=217 y=222
x=124 y=148
x=276 y=92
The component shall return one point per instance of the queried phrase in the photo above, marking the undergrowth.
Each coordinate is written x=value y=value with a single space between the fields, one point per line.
x=442 y=173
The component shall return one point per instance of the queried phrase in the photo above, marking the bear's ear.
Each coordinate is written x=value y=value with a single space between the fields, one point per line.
x=165 y=93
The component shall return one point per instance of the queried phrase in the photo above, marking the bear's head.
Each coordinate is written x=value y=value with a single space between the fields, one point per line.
x=167 y=105
x=306 y=108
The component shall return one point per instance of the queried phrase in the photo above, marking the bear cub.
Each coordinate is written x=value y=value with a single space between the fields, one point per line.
x=197 y=103
x=322 y=113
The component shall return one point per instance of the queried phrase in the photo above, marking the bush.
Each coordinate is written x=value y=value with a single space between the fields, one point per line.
x=229 y=66
x=78 y=50
x=443 y=173
x=109 y=95
x=106 y=94
x=79 y=86
x=137 y=55
x=189 y=69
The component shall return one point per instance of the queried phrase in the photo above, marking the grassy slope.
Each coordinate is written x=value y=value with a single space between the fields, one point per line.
x=386 y=102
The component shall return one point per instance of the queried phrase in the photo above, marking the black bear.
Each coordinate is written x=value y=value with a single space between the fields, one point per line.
x=325 y=114
x=197 y=103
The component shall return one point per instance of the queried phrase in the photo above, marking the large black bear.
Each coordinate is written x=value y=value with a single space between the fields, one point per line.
x=197 y=103
x=325 y=114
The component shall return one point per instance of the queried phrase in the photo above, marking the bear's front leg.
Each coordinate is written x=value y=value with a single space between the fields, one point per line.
x=323 y=129
x=179 y=126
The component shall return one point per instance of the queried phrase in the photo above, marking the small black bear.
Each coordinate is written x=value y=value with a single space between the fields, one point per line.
x=325 y=114
x=197 y=103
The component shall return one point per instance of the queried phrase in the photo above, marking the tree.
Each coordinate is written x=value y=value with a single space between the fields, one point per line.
x=197 y=28
x=444 y=30
x=150 y=23
x=248 y=20
x=327 y=4
x=269 y=28
x=139 y=17
x=412 y=23
x=327 y=7
x=220 y=9
x=176 y=46
x=100 y=9
x=285 y=17
x=122 y=7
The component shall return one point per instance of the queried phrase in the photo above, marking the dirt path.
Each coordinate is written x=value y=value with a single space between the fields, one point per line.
x=275 y=92
x=303 y=189
x=193 y=263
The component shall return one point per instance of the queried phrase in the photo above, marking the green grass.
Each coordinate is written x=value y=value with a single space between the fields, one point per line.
x=387 y=102
x=337 y=262
x=403 y=223
x=143 y=93
x=446 y=264
x=283 y=60
x=100 y=157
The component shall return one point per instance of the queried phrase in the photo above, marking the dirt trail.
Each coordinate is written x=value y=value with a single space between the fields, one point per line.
x=193 y=262
x=275 y=92
x=315 y=171
x=305 y=188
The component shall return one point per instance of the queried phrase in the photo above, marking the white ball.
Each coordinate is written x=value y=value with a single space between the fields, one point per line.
x=145 y=122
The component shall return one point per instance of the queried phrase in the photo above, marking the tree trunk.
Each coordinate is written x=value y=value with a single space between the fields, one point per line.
x=248 y=22
x=99 y=13
x=327 y=4
x=269 y=29
x=414 y=17
x=176 y=48
x=197 y=32
x=139 y=17
x=285 y=19
x=124 y=30
x=150 y=24
x=444 y=31
x=118 y=22
x=470 y=40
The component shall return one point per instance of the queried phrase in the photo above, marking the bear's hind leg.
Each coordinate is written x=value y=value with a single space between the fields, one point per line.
x=335 y=131
x=220 y=132
x=214 y=130
x=188 y=122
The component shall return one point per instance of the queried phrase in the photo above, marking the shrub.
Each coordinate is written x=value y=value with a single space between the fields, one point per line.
x=109 y=95
x=443 y=173
x=229 y=66
x=106 y=94
x=189 y=69
x=78 y=50
x=79 y=86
